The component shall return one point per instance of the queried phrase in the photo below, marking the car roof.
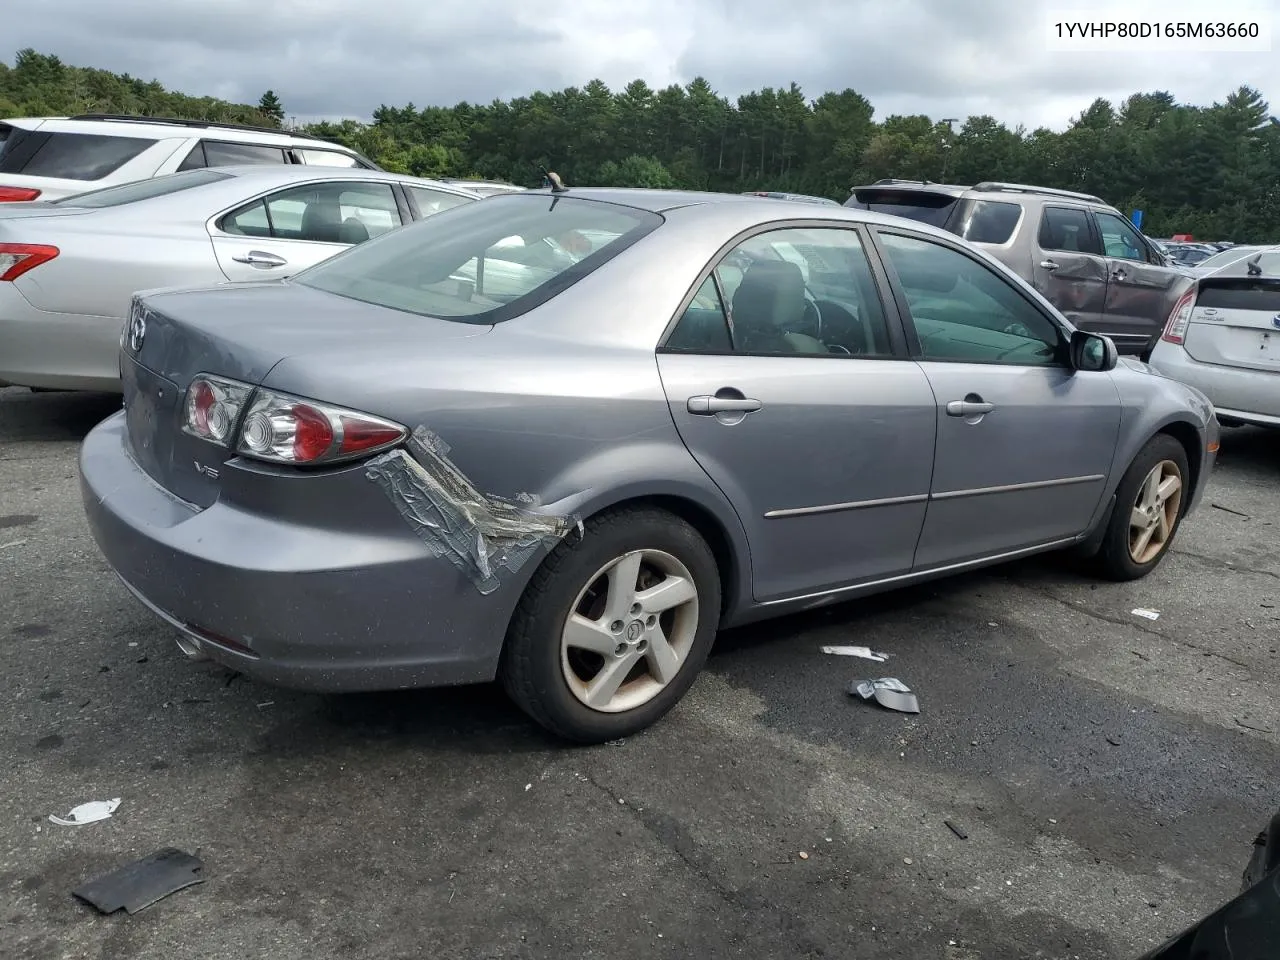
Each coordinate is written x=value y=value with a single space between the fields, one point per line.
x=163 y=127
x=266 y=175
x=987 y=188
x=748 y=209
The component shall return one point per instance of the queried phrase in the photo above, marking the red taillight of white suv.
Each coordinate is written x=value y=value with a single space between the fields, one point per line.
x=17 y=258
x=1175 y=329
x=18 y=194
x=280 y=428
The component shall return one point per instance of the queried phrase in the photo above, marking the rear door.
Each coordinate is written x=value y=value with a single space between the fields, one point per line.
x=822 y=440
x=1068 y=267
x=276 y=235
x=1141 y=288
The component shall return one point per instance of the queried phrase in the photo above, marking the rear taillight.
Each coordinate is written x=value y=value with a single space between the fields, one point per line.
x=1175 y=329
x=213 y=407
x=17 y=258
x=17 y=194
x=284 y=429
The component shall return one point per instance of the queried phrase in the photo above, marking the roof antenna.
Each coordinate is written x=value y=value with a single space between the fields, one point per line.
x=552 y=179
x=1255 y=270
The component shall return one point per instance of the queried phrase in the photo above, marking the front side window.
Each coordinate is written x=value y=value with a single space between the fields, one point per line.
x=1067 y=229
x=485 y=262
x=218 y=153
x=1119 y=239
x=68 y=156
x=963 y=311
x=347 y=213
x=430 y=202
x=784 y=292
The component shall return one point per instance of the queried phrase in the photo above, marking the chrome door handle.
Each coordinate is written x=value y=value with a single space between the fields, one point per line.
x=1118 y=274
x=708 y=406
x=1048 y=265
x=258 y=258
x=968 y=408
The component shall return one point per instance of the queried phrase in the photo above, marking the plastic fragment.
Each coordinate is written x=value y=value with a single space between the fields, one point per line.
x=1146 y=614
x=90 y=812
x=956 y=830
x=889 y=692
x=865 y=652
x=138 y=885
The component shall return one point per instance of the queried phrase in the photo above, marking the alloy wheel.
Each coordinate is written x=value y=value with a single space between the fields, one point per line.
x=1155 y=511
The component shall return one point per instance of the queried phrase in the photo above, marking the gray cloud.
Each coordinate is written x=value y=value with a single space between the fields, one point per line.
x=336 y=58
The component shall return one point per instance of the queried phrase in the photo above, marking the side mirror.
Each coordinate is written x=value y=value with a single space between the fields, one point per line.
x=1093 y=352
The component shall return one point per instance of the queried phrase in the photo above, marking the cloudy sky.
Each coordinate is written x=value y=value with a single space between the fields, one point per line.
x=945 y=58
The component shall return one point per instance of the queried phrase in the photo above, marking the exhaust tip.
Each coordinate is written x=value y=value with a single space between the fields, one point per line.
x=191 y=648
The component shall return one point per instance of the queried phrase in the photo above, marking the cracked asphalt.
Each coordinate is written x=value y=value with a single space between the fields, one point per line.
x=1108 y=772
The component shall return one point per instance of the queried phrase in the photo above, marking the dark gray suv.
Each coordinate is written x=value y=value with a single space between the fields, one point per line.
x=1083 y=255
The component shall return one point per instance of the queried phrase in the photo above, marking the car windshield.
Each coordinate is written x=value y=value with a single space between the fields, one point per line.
x=484 y=262
x=142 y=189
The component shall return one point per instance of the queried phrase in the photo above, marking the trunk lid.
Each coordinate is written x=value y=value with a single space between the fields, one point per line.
x=1236 y=323
x=241 y=332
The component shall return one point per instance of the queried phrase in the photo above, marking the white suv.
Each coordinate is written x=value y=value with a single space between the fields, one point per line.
x=44 y=158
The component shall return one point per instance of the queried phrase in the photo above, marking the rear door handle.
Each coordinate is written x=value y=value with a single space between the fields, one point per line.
x=968 y=408
x=1049 y=265
x=258 y=258
x=1118 y=274
x=709 y=406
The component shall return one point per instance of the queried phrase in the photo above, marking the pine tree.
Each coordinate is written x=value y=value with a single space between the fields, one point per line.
x=271 y=107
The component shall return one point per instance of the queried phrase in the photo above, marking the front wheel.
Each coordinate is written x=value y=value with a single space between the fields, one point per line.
x=1148 y=511
x=613 y=629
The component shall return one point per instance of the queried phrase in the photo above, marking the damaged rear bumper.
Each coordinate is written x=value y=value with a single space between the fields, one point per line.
x=294 y=601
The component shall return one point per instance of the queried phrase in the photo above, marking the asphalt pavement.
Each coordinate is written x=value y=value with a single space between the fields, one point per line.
x=1107 y=772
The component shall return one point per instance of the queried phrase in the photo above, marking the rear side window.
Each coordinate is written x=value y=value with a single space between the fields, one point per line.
x=986 y=221
x=142 y=189
x=1068 y=229
x=919 y=205
x=67 y=156
x=322 y=213
x=484 y=262
x=328 y=158
x=430 y=202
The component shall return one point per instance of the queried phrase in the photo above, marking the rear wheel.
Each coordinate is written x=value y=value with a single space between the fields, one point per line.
x=613 y=629
x=1148 y=510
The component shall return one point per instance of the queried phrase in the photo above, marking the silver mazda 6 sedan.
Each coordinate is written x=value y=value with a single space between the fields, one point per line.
x=561 y=438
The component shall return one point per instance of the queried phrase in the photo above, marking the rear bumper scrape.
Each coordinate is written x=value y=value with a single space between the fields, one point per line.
x=484 y=536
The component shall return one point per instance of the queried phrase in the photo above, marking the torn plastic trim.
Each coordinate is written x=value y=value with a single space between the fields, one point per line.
x=485 y=536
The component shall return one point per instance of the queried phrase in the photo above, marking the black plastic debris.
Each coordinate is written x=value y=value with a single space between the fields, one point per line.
x=138 y=885
x=889 y=692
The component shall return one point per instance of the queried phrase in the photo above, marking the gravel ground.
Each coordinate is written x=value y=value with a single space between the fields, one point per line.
x=1109 y=772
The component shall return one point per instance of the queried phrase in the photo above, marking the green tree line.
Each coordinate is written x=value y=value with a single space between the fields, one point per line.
x=1213 y=171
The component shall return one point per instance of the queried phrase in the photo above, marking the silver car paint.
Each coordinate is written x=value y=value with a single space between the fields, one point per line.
x=319 y=573
x=62 y=319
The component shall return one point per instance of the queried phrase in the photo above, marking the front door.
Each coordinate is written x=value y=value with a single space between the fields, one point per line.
x=1068 y=268
x=278 y=235
x=1024 y=441
x=799 y=402
x=1141 y=290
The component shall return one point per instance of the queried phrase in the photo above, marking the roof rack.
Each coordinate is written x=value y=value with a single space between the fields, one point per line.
x=204 y=124
x=994 y=186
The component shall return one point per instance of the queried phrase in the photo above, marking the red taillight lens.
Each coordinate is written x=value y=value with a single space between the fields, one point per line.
x=17 y=194
x=284 y=429
x=213 y=406
x=1175 y=329
x=17 y=258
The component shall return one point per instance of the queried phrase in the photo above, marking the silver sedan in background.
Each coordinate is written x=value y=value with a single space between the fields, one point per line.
x=454 y=453
x=68 y=268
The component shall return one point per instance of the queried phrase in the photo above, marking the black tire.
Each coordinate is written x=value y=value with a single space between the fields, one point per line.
x=531 y=669
x=1113 y=559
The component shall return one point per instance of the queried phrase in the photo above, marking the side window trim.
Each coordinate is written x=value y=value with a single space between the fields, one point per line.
x=900 y=295
x=895 y=320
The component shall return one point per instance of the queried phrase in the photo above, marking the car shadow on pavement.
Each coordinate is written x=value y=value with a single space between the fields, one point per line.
x=52 y=415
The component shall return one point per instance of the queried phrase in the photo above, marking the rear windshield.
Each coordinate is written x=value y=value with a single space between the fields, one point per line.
x=978 y=221
x=142 y=189
x=1230 y=255
x=66 y=156
x=1260 y=293
x=484 y=262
